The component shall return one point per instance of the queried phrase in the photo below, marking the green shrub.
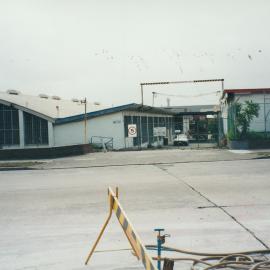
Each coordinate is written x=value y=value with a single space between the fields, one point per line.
x=240 y=118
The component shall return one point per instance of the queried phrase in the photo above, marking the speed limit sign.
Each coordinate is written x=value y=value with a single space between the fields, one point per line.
x=132 y=130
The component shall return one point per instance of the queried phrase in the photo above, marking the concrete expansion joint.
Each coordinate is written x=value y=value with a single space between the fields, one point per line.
x=214 y=205
x=245 y=228
x=211 y=206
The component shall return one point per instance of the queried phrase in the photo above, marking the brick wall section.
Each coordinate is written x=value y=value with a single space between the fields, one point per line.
x=39 y=153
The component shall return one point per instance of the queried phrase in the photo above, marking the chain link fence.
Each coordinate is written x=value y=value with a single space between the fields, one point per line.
x=259 y=126
x=200 y=131
x=258 y=132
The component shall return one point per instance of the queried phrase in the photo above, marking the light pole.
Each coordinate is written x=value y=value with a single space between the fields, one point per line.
x=84 y=101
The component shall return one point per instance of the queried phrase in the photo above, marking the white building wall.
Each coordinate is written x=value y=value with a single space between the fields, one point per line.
x=69 y=134
x=110 y=125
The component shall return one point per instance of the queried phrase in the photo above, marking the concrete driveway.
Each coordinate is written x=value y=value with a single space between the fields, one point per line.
x=50 y=218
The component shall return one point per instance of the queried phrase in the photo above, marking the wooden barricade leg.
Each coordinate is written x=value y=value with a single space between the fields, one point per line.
x=133 y=238
x=102 y=231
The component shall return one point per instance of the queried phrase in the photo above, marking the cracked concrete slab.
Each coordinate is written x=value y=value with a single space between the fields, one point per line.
x=237 y=188
x=49 y=219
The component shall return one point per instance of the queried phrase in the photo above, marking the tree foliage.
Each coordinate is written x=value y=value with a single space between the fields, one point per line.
x=244 y=114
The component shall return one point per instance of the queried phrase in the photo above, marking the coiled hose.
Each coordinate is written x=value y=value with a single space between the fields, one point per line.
x=247 y=260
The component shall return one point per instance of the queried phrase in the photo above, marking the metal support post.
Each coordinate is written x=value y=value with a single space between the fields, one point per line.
x=159 y=246
x=264 y=115
x=142 y=92
x=84 y=101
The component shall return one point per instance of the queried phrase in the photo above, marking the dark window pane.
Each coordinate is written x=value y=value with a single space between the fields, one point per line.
x=16 y=137
x=27 y=128
x=44 y=132
x=15 y=119
x=36 y=130
x=161 y=121
x=1 y=137
x=9 y=125
x=144 y=129
x=8 y=137
x=137 y=140
x=150 y=129
x=127 y=121
x=7 y=119
x=1 y=119
x=156 y=121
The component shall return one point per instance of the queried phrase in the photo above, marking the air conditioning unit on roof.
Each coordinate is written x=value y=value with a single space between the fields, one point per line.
x=43 y=96
x=56 y=98
x=13 y=92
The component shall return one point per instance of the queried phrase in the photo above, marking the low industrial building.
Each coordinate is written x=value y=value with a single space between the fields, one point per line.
x=260 y=96
x=199 y=122
x=46 y=122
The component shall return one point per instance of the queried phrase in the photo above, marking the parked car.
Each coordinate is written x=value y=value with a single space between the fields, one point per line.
x=181 y=140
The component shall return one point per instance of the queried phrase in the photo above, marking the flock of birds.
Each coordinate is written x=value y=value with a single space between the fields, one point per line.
x=175 y=56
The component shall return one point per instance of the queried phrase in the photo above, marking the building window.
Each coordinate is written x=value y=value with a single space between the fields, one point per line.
x=9 y=126
x=35 y=130
x=144 y=129
x=137 y=121
x=150 y=129
x=127 y=121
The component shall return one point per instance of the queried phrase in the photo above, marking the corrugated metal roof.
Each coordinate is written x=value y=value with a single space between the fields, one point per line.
x=246 y=91
x=128 y=107
x=192 y=108
x=52 y=108
x=62 y=111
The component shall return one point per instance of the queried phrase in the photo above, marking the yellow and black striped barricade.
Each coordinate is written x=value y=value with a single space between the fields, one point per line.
x=132 y=236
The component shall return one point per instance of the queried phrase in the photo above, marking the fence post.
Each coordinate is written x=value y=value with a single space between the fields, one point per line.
x=264 y=115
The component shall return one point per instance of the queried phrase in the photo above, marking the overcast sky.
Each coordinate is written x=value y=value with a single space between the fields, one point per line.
x=104 y=49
